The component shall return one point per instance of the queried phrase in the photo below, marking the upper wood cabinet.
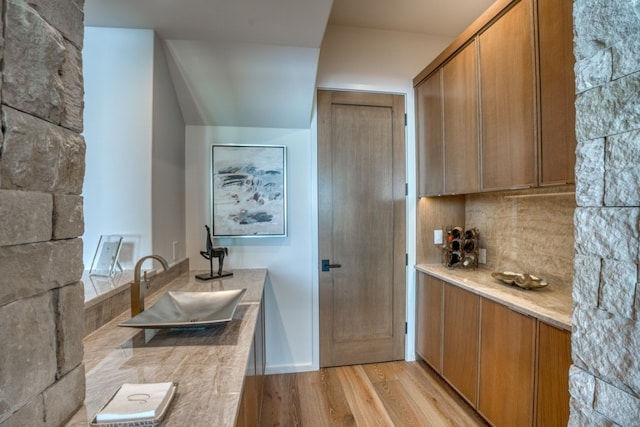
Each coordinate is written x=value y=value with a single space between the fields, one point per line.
x=557 y=92
x=430 y=147
x=460 y=108
x=447 y=110
x=507 y=86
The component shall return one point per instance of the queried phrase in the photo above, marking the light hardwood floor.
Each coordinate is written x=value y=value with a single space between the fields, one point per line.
x=384 y=394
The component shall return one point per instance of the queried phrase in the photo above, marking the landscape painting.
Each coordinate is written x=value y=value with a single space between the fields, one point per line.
x=249 y=191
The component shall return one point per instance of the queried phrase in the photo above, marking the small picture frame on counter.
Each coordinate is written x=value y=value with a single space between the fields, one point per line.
x=105 y=261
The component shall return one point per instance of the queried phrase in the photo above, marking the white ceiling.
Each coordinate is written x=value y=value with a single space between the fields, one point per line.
x=252 y=63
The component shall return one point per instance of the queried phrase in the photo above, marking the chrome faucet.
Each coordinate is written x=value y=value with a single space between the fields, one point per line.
x=138 y=291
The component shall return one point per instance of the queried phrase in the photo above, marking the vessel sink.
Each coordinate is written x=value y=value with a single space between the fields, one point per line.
x=188 y=310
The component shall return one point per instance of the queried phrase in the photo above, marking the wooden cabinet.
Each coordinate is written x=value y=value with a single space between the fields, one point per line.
x=557 y=92
x=429 y=320
x=552 y=386
x=507 y=90
x=430 y=146
x=507 y=87
x=512 y=368
x=447 y=332
x=460 y=340
x=506 y=375
x=251 y=400
x=447 y=110
x=460 y=112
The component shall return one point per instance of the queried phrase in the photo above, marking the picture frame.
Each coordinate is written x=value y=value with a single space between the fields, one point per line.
x=248 y=190
x=105 y=260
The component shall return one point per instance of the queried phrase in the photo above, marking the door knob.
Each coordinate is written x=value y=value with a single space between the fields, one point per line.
x=326 y=265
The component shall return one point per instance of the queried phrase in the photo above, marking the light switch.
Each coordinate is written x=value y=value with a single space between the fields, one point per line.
x=437 y=237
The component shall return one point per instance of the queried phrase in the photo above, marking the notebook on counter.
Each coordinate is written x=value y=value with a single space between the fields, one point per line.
x=136 y=405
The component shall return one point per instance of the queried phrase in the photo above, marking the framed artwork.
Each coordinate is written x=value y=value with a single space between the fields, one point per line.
x=248 y=190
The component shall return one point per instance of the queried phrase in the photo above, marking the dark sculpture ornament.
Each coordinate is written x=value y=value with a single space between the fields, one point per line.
x=210 y=254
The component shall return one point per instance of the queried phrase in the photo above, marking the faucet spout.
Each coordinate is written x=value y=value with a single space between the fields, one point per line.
x=137 y=289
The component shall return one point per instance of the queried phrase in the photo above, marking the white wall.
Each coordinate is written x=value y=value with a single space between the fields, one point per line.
x=382 y=61
x=134 y=183
x=290 y=317
x=118 y=78
x=168 y=164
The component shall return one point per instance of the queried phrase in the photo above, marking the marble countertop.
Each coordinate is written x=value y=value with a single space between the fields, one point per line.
x=552 y=305
x=209 y=364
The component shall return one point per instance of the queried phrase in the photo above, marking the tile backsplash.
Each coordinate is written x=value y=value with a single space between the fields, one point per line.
x=527 y=231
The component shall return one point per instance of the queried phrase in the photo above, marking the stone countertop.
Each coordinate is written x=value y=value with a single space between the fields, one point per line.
x=208 y=364
x=552 y=305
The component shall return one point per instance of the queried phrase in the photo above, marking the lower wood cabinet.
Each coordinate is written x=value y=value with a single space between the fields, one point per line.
x=507 y=355
x=512 y=368
x=552 y=389
x=460 y=340
x=429 y=320
x=251 y=400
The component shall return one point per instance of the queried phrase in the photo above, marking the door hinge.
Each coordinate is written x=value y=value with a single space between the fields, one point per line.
x=406 y=188
x=406 y=328
x=406 y=259
x=405 y=119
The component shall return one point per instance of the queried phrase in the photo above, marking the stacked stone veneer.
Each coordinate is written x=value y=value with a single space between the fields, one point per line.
x=605 y=378
x=41 y=219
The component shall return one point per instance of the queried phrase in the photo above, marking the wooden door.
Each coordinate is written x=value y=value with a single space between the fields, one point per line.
x=429 y=320
x=507 y=86
x=507 y=354
x=361 y=227
x=460 y=106
x=460 y=340
x=430 y=147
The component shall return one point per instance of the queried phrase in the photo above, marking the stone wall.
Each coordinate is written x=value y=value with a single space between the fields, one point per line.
x=41 y=218
x=605 y=377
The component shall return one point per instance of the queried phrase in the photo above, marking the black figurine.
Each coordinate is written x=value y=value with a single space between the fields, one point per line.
x=210 y=254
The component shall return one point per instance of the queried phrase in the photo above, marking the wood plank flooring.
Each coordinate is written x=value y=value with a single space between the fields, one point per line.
x=385 y=394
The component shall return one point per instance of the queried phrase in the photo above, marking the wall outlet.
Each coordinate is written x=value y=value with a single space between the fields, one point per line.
x=482 y=256
x=437 y=237
x=175 y=251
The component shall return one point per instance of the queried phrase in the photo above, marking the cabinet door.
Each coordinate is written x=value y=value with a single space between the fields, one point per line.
x=507 y=84
x=557 y=92
x=430 y=143
x=429 y=319
x=460 y=106
x=552 y=390
x=460 y=340
x=507 y=351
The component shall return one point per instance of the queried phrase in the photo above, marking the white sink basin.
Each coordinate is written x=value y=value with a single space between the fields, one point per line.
x=188 y=310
